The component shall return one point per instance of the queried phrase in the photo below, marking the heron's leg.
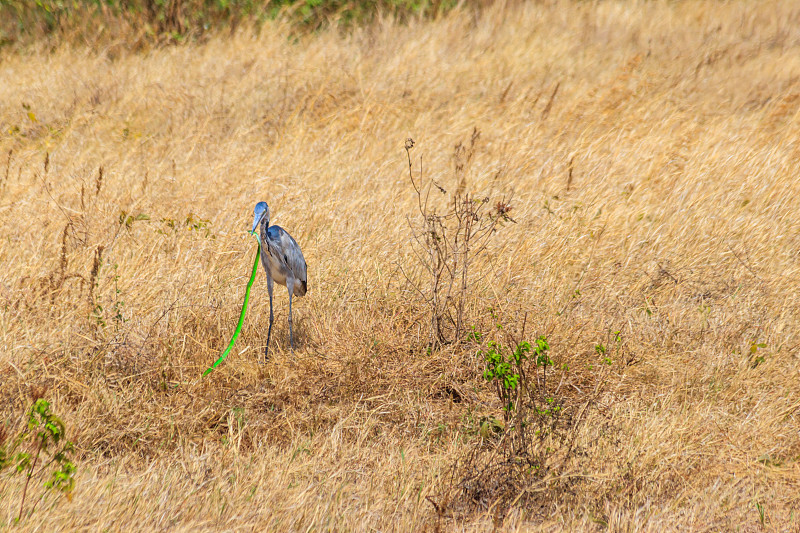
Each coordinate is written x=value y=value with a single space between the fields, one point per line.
x=271 y=316
x=290 y=286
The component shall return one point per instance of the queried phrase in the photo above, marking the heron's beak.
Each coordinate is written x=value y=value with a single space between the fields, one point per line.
x=256 y=221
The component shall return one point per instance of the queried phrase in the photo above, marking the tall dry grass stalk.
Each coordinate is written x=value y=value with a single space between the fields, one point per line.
x=652 y=150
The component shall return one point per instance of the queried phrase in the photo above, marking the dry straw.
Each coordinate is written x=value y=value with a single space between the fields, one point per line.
x=652 y=151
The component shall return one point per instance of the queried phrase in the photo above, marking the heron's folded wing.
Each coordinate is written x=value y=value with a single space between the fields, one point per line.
x=290 y=254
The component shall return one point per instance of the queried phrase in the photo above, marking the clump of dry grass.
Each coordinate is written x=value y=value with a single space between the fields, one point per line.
x=652 y=151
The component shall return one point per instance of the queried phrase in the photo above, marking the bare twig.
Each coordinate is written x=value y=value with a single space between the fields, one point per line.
x=446 y=243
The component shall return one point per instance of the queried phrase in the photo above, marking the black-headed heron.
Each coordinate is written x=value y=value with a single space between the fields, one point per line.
x=283 y=261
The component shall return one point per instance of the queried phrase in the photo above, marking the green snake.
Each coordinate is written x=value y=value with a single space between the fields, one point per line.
x=244 y=308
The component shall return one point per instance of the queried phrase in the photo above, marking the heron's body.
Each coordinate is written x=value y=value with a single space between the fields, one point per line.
x=283 y=262
x=282 y=259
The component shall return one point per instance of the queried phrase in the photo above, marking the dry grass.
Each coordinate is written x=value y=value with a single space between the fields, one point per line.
x=653 y=152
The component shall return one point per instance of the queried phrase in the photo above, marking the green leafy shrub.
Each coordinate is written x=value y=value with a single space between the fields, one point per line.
x=41 y=442
x=175 y=21
x=528 y=457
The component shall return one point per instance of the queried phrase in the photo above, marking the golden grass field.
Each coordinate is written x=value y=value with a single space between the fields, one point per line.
x=652 y=150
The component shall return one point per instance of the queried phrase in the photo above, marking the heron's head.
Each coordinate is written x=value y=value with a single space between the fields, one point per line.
x=260 y=213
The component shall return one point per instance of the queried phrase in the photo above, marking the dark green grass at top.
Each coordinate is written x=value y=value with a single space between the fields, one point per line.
x=167 y=21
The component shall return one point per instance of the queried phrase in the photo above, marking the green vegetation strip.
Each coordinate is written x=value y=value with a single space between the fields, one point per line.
x=244 y=309
x=177 y=21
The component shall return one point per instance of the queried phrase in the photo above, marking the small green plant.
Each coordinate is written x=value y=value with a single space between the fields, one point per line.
x=474 y=335
x=530 y=446
x=600 y=349
x=42 y=441
x=648 y=306
x=491 y=427
x=127 y=220
x=505 y=367
x=612 y=346
x=760 y=508
x=756 y=357
x=192 y=222
x=97 y=316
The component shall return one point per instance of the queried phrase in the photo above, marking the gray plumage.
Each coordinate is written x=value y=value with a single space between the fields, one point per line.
x=283 y=261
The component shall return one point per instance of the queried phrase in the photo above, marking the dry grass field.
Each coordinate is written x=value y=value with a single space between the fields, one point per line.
x=650 y=152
